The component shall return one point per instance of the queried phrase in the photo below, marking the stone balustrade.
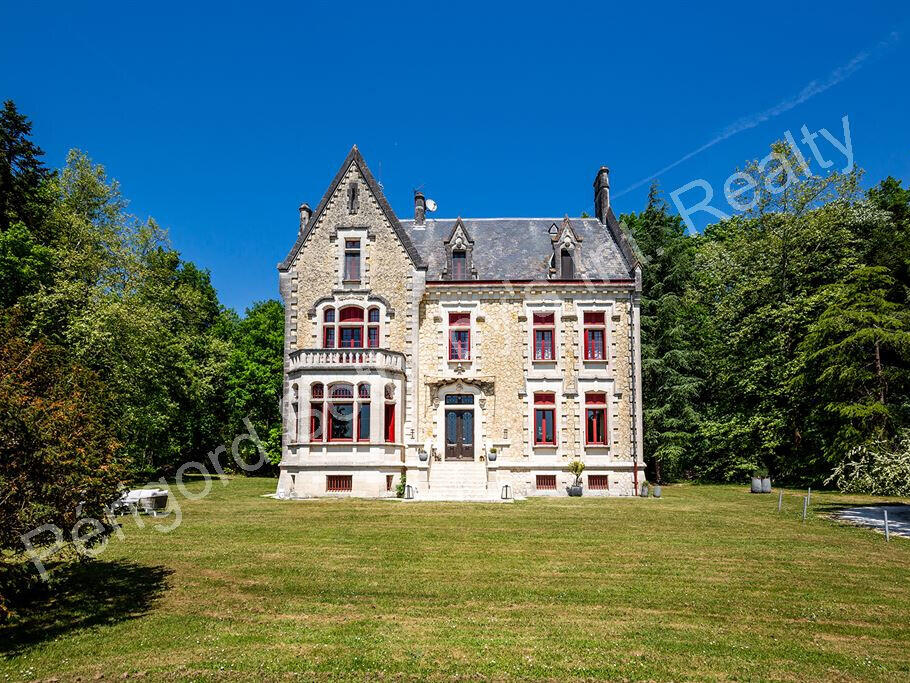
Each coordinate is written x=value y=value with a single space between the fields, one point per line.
x=332 y=359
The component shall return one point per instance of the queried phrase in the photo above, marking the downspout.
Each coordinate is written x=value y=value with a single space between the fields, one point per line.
x=632 y=397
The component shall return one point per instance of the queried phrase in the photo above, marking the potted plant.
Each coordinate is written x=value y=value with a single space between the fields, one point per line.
x=657 y=491
x=422 y=455
x=756 y=482
x=576 y=467
x=644 y=489
x=491 y=456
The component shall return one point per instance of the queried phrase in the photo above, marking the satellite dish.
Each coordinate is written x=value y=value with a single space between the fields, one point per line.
x=431 y=205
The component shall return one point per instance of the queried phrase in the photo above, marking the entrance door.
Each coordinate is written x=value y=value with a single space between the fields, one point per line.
x=459 y=434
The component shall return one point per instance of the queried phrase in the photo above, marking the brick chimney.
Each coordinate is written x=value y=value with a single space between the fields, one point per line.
x=602 y=194
x=420 y=208
x=305 y=213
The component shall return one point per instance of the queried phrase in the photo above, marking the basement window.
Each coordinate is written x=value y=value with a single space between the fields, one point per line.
x=339 y=482
x=546 y=482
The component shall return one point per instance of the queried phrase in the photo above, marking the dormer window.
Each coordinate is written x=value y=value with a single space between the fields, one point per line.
x=567 y=265
x=564 y=264
x=459 y=262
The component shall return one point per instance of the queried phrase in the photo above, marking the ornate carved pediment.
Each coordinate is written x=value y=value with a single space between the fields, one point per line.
x=459 y=242
x=437 y=384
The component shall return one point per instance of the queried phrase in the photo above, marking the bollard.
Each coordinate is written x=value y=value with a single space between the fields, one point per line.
x=780 y=499
x=887 y=535
x=809 y=496
x=805 y=505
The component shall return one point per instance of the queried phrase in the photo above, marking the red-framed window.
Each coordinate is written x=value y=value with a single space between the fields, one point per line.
x=316 y=391
x=544 y=336
x=363 y=421
x=545 y=419
x=372 y=337
x=459 y=336
x=373 y=315
x=546 y=482
x=459 y=264
x=595 y=331
x=341 y=422
x=352 y=260
x=316 y=422
x=328 y=329
x=389 y=423
x=339 y=482
x=596 y=419
x=363 y=390
x=350 y=327
x=598 y=482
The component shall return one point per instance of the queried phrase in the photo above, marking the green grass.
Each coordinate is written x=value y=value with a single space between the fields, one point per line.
x=706 y=583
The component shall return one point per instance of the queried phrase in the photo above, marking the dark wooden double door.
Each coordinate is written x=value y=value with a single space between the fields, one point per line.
x=459 y=434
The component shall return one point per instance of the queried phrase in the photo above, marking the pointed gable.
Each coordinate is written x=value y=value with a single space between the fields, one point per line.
x=354 y=157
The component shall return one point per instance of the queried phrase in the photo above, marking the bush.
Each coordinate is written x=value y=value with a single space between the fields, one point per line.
x=880 y=468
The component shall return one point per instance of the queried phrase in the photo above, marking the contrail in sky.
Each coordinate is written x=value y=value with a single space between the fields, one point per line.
x=812 y=89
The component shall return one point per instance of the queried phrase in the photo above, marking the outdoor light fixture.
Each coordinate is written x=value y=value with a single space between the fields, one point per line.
x=409 y=492
x=506 y=492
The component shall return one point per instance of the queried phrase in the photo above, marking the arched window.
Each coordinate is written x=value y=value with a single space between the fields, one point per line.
x=363 y=390
x=342 y=415
x=347 y=331
x=316 y=391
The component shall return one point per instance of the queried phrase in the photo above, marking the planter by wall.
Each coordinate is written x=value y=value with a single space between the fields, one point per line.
x=756 y=485
x=657 y=491
x=575 y=491
x=644 y=490
x=766 y=485
x=491 y=456
x=423 y=455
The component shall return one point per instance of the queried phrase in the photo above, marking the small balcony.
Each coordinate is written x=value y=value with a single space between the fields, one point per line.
x=347 y=359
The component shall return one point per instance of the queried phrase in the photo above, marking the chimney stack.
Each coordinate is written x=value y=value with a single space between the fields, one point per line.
x=305 y=213
x=602 y=194
x=420 y=208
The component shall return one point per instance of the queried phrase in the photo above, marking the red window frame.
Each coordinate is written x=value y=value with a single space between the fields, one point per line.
x=543 y=414
x=372 y=337
x=545 y=482
x=594 y=325
x=596 y=410
x=359 y=433
x=459 y=264
x=373 y=315
x=328 y=328
x=331 y=409
x=459 y=336
x=351 y=260
x=339 y=482
x=317 y=423
x=598 y=482
x=544 y=326
x=389 y=423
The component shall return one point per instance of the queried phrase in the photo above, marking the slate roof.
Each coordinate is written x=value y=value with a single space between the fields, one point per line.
x=521 y=248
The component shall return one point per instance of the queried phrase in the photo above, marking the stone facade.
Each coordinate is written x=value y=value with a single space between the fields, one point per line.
x=545 y=339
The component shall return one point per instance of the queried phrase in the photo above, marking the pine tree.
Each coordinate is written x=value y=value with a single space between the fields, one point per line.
x=22 y=172
x=669 y=378
x=856 y=358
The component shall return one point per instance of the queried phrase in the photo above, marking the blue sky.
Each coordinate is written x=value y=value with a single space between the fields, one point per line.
x=220 y=120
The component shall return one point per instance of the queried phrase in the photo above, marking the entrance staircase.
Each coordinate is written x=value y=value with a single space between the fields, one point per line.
x=460 y=481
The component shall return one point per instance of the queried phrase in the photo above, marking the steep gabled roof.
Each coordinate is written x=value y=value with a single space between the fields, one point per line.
x=354 y=157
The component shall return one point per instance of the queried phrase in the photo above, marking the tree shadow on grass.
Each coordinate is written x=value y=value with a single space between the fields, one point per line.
x=81 y=595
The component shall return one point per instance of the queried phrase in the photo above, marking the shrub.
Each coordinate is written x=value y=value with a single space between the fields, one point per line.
x=880 y=468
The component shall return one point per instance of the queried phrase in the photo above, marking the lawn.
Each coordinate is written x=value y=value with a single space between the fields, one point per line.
x=706 y=583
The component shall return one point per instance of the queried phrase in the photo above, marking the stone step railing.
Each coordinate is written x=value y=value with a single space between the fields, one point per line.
x=318 y=359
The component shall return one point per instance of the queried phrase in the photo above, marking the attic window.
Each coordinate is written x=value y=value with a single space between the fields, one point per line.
x=567 y=265
x=459 y=264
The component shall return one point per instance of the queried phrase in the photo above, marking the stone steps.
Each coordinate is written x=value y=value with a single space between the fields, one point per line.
x=464 y=481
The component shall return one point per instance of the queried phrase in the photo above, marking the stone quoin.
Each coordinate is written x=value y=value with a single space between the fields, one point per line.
x=477 y=357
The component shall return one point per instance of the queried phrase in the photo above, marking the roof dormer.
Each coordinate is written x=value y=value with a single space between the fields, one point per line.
x=565 y=264
x=459 y=254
